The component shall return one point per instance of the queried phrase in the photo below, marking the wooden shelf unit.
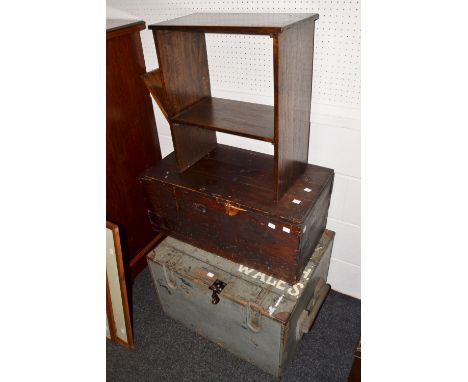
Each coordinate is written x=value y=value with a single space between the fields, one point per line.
x=181 y=87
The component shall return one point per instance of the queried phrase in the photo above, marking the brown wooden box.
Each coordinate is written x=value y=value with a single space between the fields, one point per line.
x=224 y=204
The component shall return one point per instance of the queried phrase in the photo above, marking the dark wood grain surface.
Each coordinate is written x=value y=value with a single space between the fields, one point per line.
x=246 y=119
x=355 y=373
x=192 y=144
x=246 y=179
x=118 y=27
x=132 y=143
x=293 y=53
x=185 y=80
x=255 y=23
x=183 y=62
x=153 y=82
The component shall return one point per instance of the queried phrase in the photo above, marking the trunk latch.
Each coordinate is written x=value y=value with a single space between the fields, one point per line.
x=217 y=288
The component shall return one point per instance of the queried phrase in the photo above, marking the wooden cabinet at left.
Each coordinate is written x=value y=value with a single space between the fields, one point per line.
x=132 y=143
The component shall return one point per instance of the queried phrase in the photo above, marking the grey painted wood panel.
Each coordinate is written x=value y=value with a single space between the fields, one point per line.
x=254 y=319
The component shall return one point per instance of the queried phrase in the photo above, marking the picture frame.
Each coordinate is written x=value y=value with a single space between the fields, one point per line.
x=118 y=317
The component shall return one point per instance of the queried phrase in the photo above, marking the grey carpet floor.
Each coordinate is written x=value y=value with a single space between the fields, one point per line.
x=167 y=351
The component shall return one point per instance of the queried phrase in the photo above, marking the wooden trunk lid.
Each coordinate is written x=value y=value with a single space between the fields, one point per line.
x=243 y=180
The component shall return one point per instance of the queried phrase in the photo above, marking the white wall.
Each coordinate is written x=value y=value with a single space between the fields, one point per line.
x=241 y=68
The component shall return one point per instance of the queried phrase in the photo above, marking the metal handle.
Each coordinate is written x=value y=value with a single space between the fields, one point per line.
x=170 y=284
x=309 y=315
x=253 y=319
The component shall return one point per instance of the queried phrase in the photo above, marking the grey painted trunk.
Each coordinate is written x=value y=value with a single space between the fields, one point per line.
x=253 y=315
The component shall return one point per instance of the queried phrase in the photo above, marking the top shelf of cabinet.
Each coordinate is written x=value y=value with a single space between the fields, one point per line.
x=241 y=23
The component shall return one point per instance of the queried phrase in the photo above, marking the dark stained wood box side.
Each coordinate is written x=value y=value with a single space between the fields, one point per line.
x=241 y=236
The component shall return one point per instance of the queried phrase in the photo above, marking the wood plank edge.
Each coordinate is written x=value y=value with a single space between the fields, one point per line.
x=138 y=263
x=277 y=192
x=226 y=131
x=150 y=80
x=313 y=17
x=190 y=241
x=137 y=26
x=217 y=29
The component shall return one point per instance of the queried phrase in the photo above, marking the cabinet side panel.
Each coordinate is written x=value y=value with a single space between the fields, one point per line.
x=132 y=143
x=294 y=64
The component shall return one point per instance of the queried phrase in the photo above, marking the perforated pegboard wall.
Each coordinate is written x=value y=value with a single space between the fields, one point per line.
x=243 y=64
